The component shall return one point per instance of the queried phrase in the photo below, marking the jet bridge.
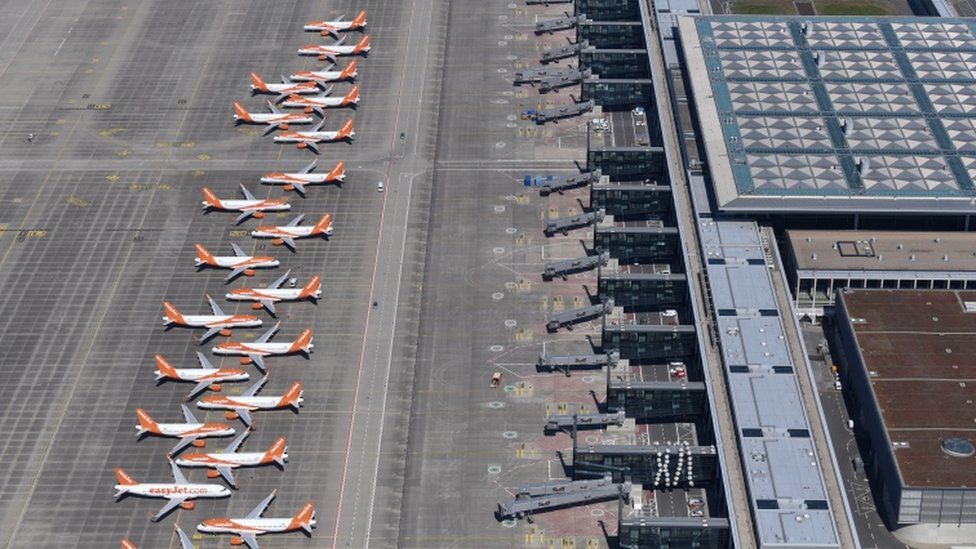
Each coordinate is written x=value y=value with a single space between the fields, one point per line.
x=551 y=83
x=538 y=74
x=524 y=506
x=561 y=487
x=564 y=111
x=556 y=423
x=566 y=224
x=559 y=23
x=567 y=319
x=564 y=183
x=564 y=363
x=563 y=52
x=564 y=267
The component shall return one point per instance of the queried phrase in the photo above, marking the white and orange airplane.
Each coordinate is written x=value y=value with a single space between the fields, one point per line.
x=327 y=74
x=286 y=234
x=316 y=103
x=247 y=529
x=326 y=28
x=248 y=206
x=296 y=181
x=242 y=406
x=179 y=492
x=267 y=297
x=239 y=263
x=189 y=432
x=307 y=139
x=284 y=88
x=217 y=322
x=274 y=119
x=224 y=462
x=335 y=49
x=205 y=377
x=256 y=351
x=185 y=542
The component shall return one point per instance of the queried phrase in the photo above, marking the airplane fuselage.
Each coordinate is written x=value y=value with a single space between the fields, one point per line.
x=199 y=430
x=216 y=321
x=289 y=178
x=233 y=348
x=233 y=460
x=302 y=88
x=272 y=118
x=289 y=232
x=254 y=526
x=238 y=262
x=273 y=294
x=306 y=137
x=209 y=374
x=322 y=76
x=241 y=205
x=219 y=402
x=326 y=102
x=332 y=50
x=171 y=490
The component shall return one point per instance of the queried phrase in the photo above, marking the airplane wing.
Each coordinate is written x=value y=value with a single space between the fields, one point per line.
x=269 y=129
x=183 y=443
x=339 y=19
x=300 y=187
x=267 y=335
x=237 y=250
x=271 y=107
x=173 y=503
x=185 y=542
x=204 y=363
x=340 y=41
x=244 y=415
x=177 y=474
x=253 y=389
x=312 y=147
x=236 y=443
x=259 y=509
x=187 y=414
x=294 y=222
x=269 y=305
x=258 y=361
x=250 y=539
x=235 y=273
x=288 y=241
x=247 y=193
x=310 y=167
x=246 y=214
x=281 y=280
x=197 y=389
x=328 y=91
x=228 y=474
x=214 y=308
x=209 y=334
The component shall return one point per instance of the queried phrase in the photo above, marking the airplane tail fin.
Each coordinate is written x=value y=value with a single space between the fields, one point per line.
x=210 y=200
x=240 y=113
x=360 y=20
x=349 y=71
x=171 y=315
x=126 y=544
x=363 y=45
x=352 y=97
x=164 y=370
x=346 y=132
x=124 y=478
x=257 y=83
x=303 y=343
x=293 y=397
x=146 y=423
x=312 y=288
x=277 y=453
x=324 y=224
x=338 y=172
x=203 y=256
x=304 y=519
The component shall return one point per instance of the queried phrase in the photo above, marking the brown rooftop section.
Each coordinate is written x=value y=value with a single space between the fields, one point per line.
x=883 y=250
x=920 y=350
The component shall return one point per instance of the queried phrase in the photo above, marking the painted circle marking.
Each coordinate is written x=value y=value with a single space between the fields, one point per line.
x=510 y=434
x=497 y=296
x=498 y=250
x=496 y=348
x=496 y=405
x=511 y=230
x=511 y=323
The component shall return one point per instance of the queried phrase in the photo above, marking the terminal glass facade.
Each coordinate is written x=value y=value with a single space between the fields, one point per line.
x=638 y=246
x=657 y=404
x=642 y=346
x=633 y=202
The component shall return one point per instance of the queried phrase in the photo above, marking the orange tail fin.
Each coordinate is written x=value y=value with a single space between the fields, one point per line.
x=126 y=544
x=209 y=198
x=360 y=19
x=241 y=113
x=257 y=82
x=338 y=172
x=324 y=224
x=276 y=452
x=292 y=397
x=313 y=286
x=303 y=343
x=172 y=315
x=165 y=368
x=352 y=96
x=123 y=478
x=146 y=422
x=363 y=44
x=349 y=70
x=346 y=131
x=304 y=519
x=203 y=255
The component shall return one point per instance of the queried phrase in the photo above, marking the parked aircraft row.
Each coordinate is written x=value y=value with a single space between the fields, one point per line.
x=311 y=91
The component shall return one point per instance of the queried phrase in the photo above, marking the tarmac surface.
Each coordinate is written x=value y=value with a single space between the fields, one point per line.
x=129 y=104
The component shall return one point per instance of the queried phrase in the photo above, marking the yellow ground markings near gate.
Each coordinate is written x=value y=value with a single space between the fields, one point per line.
x=36 y=233
x=123 y=153
x=60 y=121
x=163 y=144
x=197 y=173
x=78 y=202
x=186 y=144
x=113 y=177
x=236 y=232
x=203 y=156
x=111 y=131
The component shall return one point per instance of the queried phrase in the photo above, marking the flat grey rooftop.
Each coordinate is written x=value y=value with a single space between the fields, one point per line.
x=883 y=251
x=829 y=114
